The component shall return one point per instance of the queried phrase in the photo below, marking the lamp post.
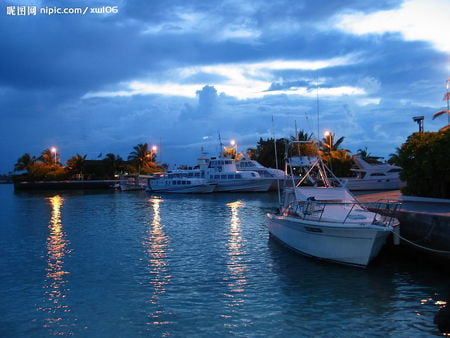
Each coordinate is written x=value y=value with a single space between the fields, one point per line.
x=327 y=135
x=234 y=145
x=53 y=150
x=154 y=151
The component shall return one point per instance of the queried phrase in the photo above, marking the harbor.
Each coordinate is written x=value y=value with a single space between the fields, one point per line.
x=104 y=262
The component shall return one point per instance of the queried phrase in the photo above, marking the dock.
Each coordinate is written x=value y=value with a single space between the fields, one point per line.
x=63 y=185
x=424 y=222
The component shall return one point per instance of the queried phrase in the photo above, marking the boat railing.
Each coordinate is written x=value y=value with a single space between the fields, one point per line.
x=384 y=212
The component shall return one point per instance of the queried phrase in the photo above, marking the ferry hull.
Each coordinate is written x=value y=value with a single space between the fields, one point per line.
x=337 y=242
x=256 y=185
x=193 y=189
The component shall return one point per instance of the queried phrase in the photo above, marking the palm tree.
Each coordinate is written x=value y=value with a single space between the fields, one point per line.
x=76 y=164
x=114 y=162
x=442 y=112
x=48 y=157
x=366 y=156
x=24 y=162
x=142 y=157
x=328 y=144
x=302 y=136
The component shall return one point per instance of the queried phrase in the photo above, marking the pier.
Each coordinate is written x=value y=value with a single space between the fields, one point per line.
x=424 y=222
x=62 y=185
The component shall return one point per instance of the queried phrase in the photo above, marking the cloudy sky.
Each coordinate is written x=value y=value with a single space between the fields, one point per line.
x=176 y=73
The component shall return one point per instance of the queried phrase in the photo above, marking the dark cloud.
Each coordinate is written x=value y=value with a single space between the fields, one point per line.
x=49 y=63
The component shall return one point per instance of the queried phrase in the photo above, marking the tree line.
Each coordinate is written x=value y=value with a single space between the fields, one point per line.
x=48 y=166
x=424 y=158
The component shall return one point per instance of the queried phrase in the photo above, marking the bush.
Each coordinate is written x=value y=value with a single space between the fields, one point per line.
x=425 y=159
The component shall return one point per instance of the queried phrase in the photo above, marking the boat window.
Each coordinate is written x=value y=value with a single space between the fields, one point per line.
x=238 y=176
x=377 y=174
x=224 y=177
x=394 y=170
x=253 y=174
x=230 y=177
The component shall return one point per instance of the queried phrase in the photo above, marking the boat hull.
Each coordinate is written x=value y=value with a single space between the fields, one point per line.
x=346 y=244
x=356 y=184
x=251 y=185
x=191 y=189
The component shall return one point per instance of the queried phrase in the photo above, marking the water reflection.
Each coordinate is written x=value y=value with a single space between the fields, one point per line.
x=156 y=245
x=56 y=281
x=236 y=279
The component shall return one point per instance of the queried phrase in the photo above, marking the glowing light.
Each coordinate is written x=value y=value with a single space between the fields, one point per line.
x=326 y=133
x=154 y=149
x=236 y=281
x=56 y=284
x=156 y=245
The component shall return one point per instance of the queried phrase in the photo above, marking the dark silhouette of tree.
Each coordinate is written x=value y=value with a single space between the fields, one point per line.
x=143 y=158
x=115 y=164
x=49 y=158
x=76 y=165
x=424 y=158
x=24 y=162
x=366 y=156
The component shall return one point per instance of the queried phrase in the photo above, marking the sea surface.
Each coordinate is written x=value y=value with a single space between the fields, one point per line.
x=130 y=264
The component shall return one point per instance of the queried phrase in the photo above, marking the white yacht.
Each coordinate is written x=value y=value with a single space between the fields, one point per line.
x=246 y=164
x=327 y=222
x=179 y=182
x=382 y=176
x=223 y=172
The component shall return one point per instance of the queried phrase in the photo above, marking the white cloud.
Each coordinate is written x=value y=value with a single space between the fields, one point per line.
x=426 y=20
x=241 y=80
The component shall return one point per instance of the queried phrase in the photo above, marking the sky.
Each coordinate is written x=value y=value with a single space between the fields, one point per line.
x=179 y=73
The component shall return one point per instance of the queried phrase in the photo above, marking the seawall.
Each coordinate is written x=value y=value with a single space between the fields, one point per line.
x=424 y=222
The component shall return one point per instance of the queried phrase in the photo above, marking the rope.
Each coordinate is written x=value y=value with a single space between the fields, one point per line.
x=446 y=252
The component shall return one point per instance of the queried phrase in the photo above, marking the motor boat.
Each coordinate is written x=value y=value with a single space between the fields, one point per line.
x=380 y=176
x=325 y=221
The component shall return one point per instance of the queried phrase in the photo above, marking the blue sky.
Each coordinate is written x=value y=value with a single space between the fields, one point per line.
x=176 y=73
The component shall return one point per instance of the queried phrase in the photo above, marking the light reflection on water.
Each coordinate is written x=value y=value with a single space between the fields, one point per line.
x=191 y=266
x=236 y=279
x=156 y=245
x=56 y=283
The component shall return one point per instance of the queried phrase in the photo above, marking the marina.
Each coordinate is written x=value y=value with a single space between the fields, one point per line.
x=106 y=263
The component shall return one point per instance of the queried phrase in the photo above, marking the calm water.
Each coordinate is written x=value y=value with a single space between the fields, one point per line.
x=133 y=264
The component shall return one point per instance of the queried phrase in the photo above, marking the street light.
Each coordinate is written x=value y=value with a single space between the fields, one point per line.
x=53 y=150
x=327 y=135
x=154 y=151
x=234 y=145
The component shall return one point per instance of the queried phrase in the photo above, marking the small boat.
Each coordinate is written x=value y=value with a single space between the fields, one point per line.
x=133 y=182
x=246 y=164
x=325 y=221
x=380 y=176
x=179 y=182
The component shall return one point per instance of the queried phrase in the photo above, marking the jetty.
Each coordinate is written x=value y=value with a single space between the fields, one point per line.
x=63 y=185
x=424 y=222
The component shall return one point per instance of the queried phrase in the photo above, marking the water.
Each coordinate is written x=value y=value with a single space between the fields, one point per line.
x=112 y=264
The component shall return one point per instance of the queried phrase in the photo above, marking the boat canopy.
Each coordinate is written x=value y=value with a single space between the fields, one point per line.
x=323 y=194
